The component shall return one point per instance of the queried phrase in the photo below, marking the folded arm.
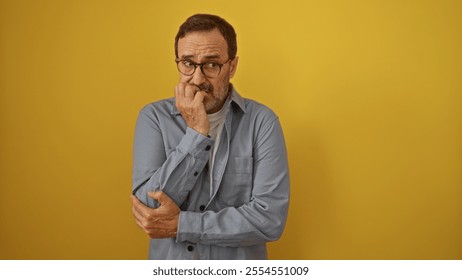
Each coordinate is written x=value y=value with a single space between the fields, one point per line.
x=175 y=173
x=260 y=220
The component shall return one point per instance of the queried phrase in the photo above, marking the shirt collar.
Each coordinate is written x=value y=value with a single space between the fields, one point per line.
x=235 y=98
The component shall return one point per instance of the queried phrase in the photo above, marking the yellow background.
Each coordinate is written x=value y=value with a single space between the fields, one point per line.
x=369 y=94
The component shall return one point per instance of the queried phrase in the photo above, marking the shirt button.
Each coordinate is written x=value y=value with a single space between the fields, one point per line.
x=208 y=148
x=202 y=207
x=190 y=248
x=196 y=173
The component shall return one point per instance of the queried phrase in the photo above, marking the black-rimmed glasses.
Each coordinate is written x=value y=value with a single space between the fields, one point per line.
x=209 y=69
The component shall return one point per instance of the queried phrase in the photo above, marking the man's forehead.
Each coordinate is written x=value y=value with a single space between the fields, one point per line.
x=207 y=44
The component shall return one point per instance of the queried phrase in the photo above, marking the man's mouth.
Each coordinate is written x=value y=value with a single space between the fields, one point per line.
x=208 y=88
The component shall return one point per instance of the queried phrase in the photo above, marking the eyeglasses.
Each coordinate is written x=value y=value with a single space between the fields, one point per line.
x=209 y=69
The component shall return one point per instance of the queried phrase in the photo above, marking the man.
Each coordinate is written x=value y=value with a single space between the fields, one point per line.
x=210 y=175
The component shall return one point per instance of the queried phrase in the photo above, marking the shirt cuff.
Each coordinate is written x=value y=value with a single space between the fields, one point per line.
x=189 y=227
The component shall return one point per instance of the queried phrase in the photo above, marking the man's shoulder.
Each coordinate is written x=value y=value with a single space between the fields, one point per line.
x=258 y=110
x=164 y=106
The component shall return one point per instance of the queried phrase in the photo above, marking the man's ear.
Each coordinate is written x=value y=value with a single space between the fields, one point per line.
x=233 y=67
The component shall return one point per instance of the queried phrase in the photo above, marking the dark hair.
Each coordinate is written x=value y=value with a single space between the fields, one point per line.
x=206 y=22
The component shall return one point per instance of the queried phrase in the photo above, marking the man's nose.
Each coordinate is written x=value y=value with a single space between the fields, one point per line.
x=198 y=77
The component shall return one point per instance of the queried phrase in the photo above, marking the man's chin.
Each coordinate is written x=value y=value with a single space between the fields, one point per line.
x=211 y=108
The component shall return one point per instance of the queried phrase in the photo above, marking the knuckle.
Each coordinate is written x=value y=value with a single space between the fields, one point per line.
x=145 y=224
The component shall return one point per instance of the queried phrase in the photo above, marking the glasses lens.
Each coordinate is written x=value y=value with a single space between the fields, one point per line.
x=211 y=70
x=186 y=67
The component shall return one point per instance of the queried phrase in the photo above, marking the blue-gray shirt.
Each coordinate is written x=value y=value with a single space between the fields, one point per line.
x=246 y=204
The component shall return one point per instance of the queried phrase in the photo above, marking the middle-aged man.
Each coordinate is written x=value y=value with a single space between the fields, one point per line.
x=210 y=174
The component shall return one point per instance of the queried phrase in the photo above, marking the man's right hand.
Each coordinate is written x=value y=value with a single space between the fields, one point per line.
x=190 y=103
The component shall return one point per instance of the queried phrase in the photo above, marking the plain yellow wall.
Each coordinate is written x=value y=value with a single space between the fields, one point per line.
x=369 y=94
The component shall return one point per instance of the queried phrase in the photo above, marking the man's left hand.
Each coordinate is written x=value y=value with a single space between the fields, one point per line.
x=161 y=222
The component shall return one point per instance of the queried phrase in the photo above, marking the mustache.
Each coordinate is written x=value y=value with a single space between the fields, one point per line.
x=205 y=87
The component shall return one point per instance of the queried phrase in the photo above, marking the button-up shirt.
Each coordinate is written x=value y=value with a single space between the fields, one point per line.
x=246 y=203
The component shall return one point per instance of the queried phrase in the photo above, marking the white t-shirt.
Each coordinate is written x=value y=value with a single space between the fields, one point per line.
x=217 y=121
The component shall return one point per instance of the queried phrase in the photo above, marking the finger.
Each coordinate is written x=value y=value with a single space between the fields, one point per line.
x=179 y=89
x=190 y=91
x=189 y=94
x=146 y=229
x=135 y=200
x=146 y=222
x=179 y=93
x=178 y=102
x=193 y=86
x=140 y=207
x=139 y=224
x=137 y=214
x=157 y=196
x=199 y=98
x=184 y=96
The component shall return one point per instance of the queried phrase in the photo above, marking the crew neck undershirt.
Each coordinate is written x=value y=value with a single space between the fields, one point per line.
x=216 y=121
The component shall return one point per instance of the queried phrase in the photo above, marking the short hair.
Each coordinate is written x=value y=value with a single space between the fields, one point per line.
x=207 y=22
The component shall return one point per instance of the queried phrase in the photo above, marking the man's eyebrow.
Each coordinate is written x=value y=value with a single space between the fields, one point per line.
x=207 y=56
x=187 y=56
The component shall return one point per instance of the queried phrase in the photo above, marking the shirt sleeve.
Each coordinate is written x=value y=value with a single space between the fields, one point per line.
x=154 y=170
x=263 y=218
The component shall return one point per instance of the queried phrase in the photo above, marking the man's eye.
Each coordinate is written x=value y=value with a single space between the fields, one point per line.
x=188 y=64
x=211 y=65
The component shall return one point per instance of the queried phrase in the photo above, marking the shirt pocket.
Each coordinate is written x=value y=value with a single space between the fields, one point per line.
x=236 y=185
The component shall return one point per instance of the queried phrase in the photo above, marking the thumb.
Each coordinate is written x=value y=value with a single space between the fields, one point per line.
x=159 y=196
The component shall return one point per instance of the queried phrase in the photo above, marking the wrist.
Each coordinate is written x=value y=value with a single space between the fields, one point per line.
x=202 y=131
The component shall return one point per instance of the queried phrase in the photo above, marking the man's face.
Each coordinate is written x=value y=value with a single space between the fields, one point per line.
x=202 y=47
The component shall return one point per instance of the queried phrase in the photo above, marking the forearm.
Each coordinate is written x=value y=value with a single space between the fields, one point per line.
x=175 y=173
x=244 y=226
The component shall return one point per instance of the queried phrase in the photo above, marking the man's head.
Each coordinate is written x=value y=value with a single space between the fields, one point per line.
x=210 y=41
x=206 y=22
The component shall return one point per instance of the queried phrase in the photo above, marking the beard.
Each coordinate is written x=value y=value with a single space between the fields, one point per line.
x=215 y=98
